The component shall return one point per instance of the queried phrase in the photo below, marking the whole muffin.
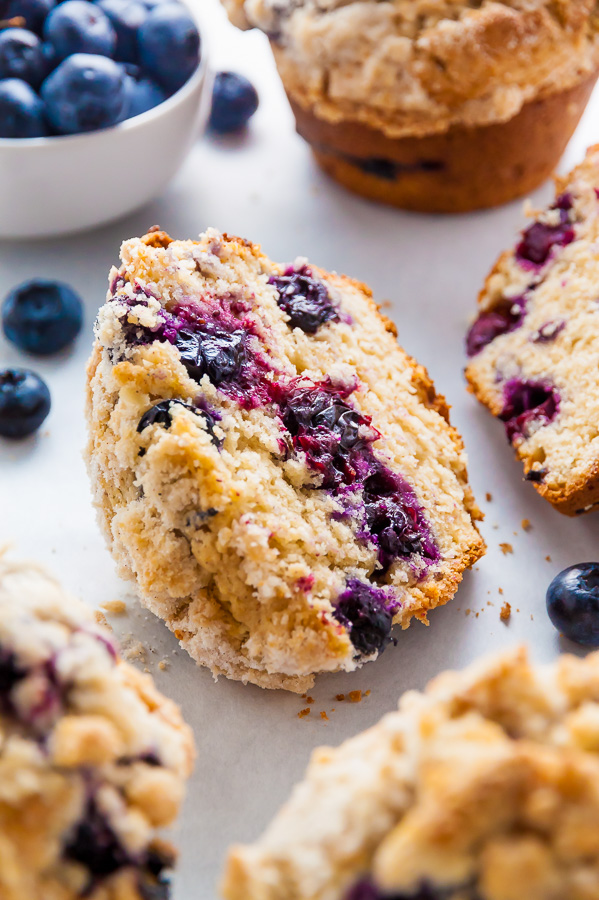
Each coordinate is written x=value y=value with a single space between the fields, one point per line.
x=484 y=787
x=433 y=105
x=93 y=760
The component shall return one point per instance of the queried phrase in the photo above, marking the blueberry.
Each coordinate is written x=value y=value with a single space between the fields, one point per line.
x=526 y=404
x=24 y=402
x=21 y=110
x=234 y=102
x=305 y=300
x=95 y=845
x=160 y=414
x=393 y=517
x=169 y=45
x=539 y=238
x=363 y=609
x=152 y=4
x=33 y=11
x=84 y=93
x=22 y=56
x=126 y=17
x=217 y=354
x=142 y=95
x=77 y=26
x=42 y=316
x=502 y=319
x=573 y=603
x=10 y=671
x=365 y=889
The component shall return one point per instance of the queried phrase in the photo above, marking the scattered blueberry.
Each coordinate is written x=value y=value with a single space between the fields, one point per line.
x=527 y=403
x=142 y=95
x=77 y=26
x=539 y=238
x=363 y=609
x=169 y=45
x=573 y=603
x=215 y=353
x=126 y=16
x=24 y=402
x=305 y=300
x=234 y=102
x=84 y=93
x=22 y=56
x=160 y=414
x=503 y=318
x=42 y=316
x=95 y=845
x=33 y=11
x=21 y=110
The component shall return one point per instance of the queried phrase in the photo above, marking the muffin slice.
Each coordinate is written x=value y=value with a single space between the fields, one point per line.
x=534 y=348
x=275 y=473
x=93 y=760
x=484 y=787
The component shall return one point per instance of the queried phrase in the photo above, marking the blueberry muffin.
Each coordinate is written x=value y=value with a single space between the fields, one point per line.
x=484 y=787
x=92 y=758
x=437 y=106
x=534 y=348
x=275 y=473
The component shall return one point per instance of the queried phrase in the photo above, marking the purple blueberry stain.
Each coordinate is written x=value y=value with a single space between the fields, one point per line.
x=539 y=239
x=94 y=844
x=503 y=318
x=304 y=299
x=548 y=331
x=528 y=404
x=367 y=614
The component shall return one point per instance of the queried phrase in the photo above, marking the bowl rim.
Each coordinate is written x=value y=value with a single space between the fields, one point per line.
x=192 y=83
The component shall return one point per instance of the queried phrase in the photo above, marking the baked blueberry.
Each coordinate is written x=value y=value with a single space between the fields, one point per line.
x=84 y=93
x=77 y=26
x=502 y=319
x=22 y=56
x=234 y=102
x=42 y=317
x=215 y=353
x=539 y=238
x=142 y=94
x=21 y=110
x=33 y=11
x=24 y=402
x=95 y=845
x=364 y=610
x=527 y=403
x=126 y=17
x=573 y=603
x=305 y=300
x=169 y=45
x=160 y=414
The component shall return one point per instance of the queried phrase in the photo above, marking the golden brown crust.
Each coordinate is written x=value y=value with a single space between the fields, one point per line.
x=461 y=170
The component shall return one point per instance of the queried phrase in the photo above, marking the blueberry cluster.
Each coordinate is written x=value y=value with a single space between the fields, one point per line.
x=76 y=66
x=40 y=317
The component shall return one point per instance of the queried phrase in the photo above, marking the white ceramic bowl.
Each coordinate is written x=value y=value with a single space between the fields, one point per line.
x=58 y=185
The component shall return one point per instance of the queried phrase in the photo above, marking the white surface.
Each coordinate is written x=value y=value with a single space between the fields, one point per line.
x=59 y=185
x=252 y=746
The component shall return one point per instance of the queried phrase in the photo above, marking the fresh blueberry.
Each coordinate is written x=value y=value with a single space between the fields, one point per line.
x=84 y=93
x=363 y=609
x=42 y=316
x=95 y=845
x=22 y=56
x=142 y=95
x=21 y=110
x=305 y=300
x=24 y=402
x=77 y=26
x=33 y=11
x=169 y=45
x=217 y=354
x=234 y=102
x=126 y=17
x=573 y=603
x=526 y=404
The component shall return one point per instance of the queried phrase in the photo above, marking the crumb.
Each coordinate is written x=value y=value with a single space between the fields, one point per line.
x=309 y=699
x=506 y=548
x=548 y=558
x=495 y=527
x=117 y=607
x=468 y=611
x=506 y=611
x=489 y=602
x=500 y=590
x=303 y=712
x=488 y=496
x=323 y=715
x=367 y=693
x=355 y=696
x=134 y=650
x=476 y=615
x=101 y=619
x=153 y=229
x=532 y=618
x=163 y=664
x=304 y=696
x=340 y=697
x=525 y=523
x=333 y=709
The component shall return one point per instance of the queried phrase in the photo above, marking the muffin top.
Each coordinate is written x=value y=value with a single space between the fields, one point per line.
x=417 y=67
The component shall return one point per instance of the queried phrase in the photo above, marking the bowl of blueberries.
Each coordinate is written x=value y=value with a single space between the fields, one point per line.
x=100 y=102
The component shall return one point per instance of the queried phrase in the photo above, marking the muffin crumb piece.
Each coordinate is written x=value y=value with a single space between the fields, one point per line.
x=506 y=612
